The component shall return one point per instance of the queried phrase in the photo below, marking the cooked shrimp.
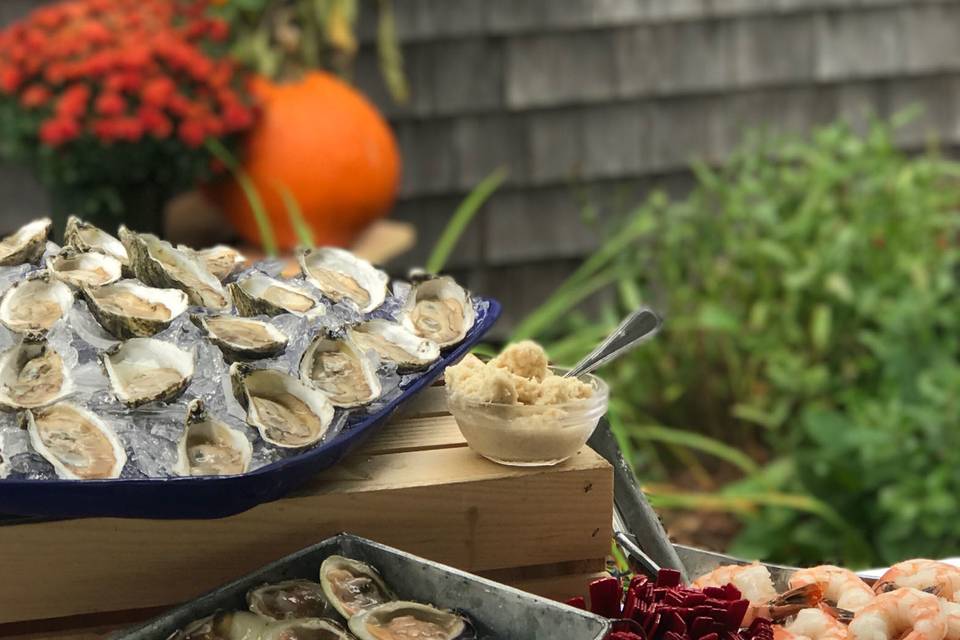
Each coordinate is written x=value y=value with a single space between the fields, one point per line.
x=841 y=587
x=952 y=612
x=815 y=624
x=755 y=584
x=902 y=614
x=938 y=578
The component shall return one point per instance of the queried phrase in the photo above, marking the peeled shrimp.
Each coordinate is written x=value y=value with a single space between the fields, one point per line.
x=952 y=612
x=841 y=587
x=902 y=614
x=811 y=624
x=938 y=578
x=755 y=584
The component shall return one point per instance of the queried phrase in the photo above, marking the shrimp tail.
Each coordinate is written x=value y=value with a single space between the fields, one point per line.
x=843 y=616
x=790 y=602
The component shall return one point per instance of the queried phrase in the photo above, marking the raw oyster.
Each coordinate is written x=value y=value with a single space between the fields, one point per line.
x=32 y=374
x=79 y=444
x=259 y=294
x=242 y=338
x=79 y=269
x=129 y=309
x=401 y=619
x=395 y=343
x=235 y=625
x=211 y=447
x=341 y=370
x=306 y=629
x=440 y=310
x=352 y=586
x=222 y=261
x=340 y=275
x=84 y=236
x=289 y=599
x=286 y=412
x=35 y=304
x=26 y=244
x=145 y=370
x=158 y=264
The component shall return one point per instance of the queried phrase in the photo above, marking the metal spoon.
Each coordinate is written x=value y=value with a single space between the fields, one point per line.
x=639 y=325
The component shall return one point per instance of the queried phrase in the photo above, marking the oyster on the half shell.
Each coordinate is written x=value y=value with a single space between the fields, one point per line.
x=156 y=263
x=352 y=586
x=286 y=412
x=79 y=444
x=145 y=370
x=402 y=619
x=232 y=625
x=289 y=599
x=340 y=275
x=32 y=374
x=345 y=373
x=395 y=343
x=242 y=338
x=35 y=304
x=26 y=244
x=439 y=309
x=259 y=294
x=220 y=260
x=210 y=447
x=84 y=236
x=307 y=629
x=81 y=269
x=129 y=309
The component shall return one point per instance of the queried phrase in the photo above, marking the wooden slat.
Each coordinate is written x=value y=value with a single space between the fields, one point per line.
x=412 y=434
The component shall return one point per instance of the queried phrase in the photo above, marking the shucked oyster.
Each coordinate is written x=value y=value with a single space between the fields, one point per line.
x=440 y=310
x=340 y=275
x=222 y=261
x=289 y=599
x=235 y=625
x=32 y=374
x=242 y=338
x=352 y=586
x=395 y=343
x=158 y=264
x=129 y=309
x=259 y=294
x=84 y=236
x=401 y=620
x=35 y=304
x=145 y=370
x=286 y=412
x=341 y=370
x=211 y=447
x=80 y=269
x=79 y=444
x=307 y=629
x=26 y=244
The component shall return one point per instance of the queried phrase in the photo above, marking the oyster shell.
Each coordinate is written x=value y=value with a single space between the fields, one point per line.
x=35 y=304
x=352 y=586
x=210 y=447
x=242 y=338
x=129 y=309
x=145 y=370
x=340 y=275
x=340 y=370
x=395 y=343
x=234 y=625
x=289 y=599
x=220 y=260
x=26 y=244
x=32 y=374
x=79 y=444
x=401 y=619
x=259 y=294
x=79 y=269
x=286 y=412
x=158 y=264
x=84 y=236
x=305 y=629
x=440 y=310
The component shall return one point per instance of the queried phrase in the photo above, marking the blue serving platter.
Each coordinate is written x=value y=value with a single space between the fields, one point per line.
x=217 y=496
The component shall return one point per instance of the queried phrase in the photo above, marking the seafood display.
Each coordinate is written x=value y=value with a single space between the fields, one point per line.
x=129 y=357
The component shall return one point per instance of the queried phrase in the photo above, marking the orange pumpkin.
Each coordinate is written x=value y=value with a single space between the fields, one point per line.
x=329 y=146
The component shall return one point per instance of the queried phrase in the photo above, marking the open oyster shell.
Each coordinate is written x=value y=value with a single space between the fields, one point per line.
x=220 y=260
x=84 y=236
x=340 y=275
x=352 y=586
x=440 y=310
x=286 y=412
x=210 y=447
x=233 y=625
x=305 y=629
x=80 y=269
x=289 y=599
x=395 y=343
x=242 y=338
x=32 y=374
x=402 y=619
x=35 y=304
x=259 y=294
x=158 y=264
x=145 y=370
x=129 y=309
x=26 y=244
x=78 y=443
x=341 y=370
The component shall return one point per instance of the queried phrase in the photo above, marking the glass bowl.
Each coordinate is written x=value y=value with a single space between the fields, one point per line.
x=529 y=435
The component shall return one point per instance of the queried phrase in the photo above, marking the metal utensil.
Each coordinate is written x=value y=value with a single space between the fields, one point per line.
x=640 y=325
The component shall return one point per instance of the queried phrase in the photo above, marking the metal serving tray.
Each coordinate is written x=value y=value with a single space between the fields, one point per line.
x=215 y=497
x=498 y=612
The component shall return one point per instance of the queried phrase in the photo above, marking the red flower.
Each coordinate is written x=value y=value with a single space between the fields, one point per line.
x=57 y=131
x=110 y=104
x=218 y=29
x=155 y=122
x=73 y=101
x=10 y=79
x=35 y=95
x=158 y=91
x=192 y=133
x=236 y=117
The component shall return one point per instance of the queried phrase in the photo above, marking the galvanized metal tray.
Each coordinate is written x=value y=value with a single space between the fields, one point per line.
x=497 y=612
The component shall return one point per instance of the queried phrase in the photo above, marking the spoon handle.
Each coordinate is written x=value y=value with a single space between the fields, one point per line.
x=642 y=323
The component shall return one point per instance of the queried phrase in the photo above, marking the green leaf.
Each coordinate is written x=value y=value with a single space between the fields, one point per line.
x=221 y=153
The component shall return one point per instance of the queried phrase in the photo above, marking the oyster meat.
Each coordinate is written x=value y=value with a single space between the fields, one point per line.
x=79 y=444
x=222 y=261
x=242 y=338
x=145 y=370
x=259 y=294
x=306 y=629
x=402 y=620
x=440 y=310
x=84 y=236
x=35 y=304
x=26 y=244
x=80 y=269
x=340 y=275
x=352 y=586
x=289 y=599
x=156 y=263
x=234 y=625
x=395 y=343
x=286 y=412
x=32 y=374
x=210 y=447
x=341 y=370
x=129 y=309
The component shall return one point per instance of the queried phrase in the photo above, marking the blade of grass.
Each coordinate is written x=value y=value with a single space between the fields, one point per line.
x=295 y=213
x=695 y=441
x=390 y=54
x=221 y=153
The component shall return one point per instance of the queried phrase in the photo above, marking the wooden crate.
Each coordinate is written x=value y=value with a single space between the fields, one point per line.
x=415 y=485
